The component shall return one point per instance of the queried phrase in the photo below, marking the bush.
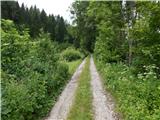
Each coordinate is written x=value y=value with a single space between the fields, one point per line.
x=58 y=79
x=14 y=49
x=32 y=77
x=16 y=102
x=71 y=54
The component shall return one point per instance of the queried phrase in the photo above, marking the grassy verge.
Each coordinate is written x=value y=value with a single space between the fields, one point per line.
x=138 y=97
x=82 y=107
x=73 y=65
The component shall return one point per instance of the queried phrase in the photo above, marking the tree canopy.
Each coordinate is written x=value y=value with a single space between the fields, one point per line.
x=36 y=20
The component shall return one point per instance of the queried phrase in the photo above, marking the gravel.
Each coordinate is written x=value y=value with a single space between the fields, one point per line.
x=64 y=103
x=103 y=104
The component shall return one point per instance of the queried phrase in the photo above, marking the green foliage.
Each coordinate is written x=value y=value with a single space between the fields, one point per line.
x=32 y=77
x=71 y=54
x=23 y=100
x=137 y=97
x=86 y=29
x=73 y=65
x=126 y=33
x=109 y=40
x=10 y=10
x=119 y=32
x=36 y=19
x=16 y=102
x=146 y=34
x=14 y=48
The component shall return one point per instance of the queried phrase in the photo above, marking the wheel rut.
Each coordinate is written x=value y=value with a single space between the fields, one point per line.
x=102 y=104
x=62 y=106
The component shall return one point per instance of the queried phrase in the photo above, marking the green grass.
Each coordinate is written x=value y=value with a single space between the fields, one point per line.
x=73 y=65
x=82 y=106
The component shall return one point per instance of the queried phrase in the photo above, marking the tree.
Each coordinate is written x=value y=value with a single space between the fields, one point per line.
x=60 y=29
x=85 y=25
x=10 y=10
x=145 y=33
x=51 y=26
x=43 y=19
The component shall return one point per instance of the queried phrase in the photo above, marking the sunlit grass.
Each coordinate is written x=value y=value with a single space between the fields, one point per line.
x=73 y=65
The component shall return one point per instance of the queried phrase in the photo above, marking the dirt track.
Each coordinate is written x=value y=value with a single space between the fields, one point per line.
x=102 y=103
x=62 y=107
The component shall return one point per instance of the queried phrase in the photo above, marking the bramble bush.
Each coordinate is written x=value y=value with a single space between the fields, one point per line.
x=32 y=77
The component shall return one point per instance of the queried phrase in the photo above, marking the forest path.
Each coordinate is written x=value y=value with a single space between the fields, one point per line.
x=62 y=106
x=103 y=104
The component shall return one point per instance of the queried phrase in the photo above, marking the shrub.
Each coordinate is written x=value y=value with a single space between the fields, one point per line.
x=16 y=102
x=14 y=49
x=32 y=77
x=71 y=54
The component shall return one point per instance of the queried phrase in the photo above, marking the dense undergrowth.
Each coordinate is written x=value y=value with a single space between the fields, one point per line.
x=32 y=74
x=137 y=96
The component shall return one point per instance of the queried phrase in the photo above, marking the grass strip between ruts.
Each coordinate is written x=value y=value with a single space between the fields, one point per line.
x=82 y=106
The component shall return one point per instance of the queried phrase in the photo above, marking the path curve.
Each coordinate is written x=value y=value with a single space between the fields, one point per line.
x=103 y=107
x=64 y=103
